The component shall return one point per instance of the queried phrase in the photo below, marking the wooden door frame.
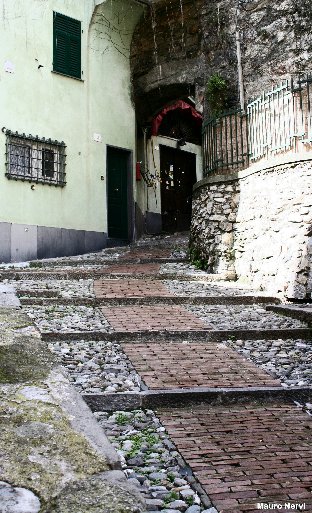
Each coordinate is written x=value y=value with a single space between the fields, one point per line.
x=130 y=199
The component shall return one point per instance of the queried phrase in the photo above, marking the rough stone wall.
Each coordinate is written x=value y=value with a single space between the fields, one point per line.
x=179 y=44
x=214 y=211
x=270 y=212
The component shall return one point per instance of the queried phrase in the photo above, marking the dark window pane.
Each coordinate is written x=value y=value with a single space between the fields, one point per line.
x=48 y=163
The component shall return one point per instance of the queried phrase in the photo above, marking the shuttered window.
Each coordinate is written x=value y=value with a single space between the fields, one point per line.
x=66 y=45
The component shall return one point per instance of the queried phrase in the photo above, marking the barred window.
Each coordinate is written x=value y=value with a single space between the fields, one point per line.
x=33 y=159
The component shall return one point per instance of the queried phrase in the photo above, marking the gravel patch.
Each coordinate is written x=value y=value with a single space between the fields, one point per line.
x=235 y=317
x=62 y=288
x=151 y=462
x=181 y=268
x=206 y=289
x=289 y=360
x=62 y=319
x=97 y=367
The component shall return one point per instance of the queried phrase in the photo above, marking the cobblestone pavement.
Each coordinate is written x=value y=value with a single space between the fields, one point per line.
x=246 y=455
x=130 y=288
x=212 y=458
x=177 y=365
x=152 y=318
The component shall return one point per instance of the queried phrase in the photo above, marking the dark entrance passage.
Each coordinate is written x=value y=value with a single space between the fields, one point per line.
x=178 y=175
x=117 y=193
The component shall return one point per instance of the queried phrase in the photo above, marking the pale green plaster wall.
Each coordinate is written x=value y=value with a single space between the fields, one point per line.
x=49 y=105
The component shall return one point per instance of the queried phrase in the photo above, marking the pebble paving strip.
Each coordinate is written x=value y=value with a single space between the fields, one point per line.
x=246 y=455
x=290 y=360
x=129 y=288
x=204 y=289
x=151 y=318
x=176 y=365
x=231 y=317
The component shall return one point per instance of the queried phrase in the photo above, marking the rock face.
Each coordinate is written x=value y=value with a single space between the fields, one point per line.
x=17 y=500
x=179 y=44
x=54 y=456
x=258 y=225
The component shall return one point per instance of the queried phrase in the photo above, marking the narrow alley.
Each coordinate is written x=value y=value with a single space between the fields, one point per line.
x=202 y=385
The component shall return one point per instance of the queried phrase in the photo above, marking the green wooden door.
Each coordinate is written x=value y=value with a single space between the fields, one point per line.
x=117 y=193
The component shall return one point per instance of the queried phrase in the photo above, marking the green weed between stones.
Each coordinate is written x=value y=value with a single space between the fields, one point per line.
x=197 y=260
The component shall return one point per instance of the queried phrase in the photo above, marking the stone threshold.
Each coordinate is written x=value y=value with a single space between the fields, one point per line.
x=34 y=264
x=177 y=398
x=99 y=273
x=40 y=299
x=180 y=336
x=294 y=311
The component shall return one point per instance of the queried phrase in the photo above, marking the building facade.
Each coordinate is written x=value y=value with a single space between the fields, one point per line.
x=67 y=144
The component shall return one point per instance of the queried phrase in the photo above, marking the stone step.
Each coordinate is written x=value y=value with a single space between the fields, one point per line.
x=35 y=298
x=301 y=312
x=98 y=273
x=170 y=335
x=182 y=398
x=38 y=264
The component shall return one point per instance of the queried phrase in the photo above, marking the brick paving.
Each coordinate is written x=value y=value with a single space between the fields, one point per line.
x=129 y=288
x=136 y=253
x=176 y=365
x=132 y=269
x=152 y=318
x=244 y=455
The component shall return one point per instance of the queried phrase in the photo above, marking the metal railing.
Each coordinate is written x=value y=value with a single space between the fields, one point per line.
x=225 y=142
x=278 y=121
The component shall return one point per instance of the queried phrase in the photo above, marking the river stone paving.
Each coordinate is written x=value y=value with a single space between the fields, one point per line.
x=152 y=463
x=238 y=317
x=97 y=367
x=206 y=289
x=61 y=288
x=67 y=318
x=290 y=360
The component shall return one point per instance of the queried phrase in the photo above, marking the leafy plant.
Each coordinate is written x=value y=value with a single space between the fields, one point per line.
x=197 y=260
x=121 y=419
x=172 y=497
x=217 y=94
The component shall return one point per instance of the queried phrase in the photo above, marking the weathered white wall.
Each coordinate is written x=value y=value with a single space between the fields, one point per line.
x=258 y=224
x=40 y=102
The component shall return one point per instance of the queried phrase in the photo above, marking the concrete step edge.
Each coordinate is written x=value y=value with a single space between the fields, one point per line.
x=38 y=299
x=180 y=398
x=198 y=335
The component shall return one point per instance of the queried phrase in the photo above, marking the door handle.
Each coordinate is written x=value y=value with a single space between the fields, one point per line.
x=116 y=190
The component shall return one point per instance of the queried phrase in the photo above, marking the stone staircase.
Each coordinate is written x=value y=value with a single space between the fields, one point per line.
x=225 y=370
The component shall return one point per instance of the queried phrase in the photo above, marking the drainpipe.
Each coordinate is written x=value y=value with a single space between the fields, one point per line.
x=239 y=64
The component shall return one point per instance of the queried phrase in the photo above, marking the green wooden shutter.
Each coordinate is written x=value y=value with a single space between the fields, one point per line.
x=66 y=45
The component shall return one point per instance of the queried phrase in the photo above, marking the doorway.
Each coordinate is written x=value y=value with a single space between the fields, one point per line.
x=178 y=175
x=118 y=201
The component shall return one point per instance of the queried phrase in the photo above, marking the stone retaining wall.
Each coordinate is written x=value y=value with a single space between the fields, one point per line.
x=258 y=225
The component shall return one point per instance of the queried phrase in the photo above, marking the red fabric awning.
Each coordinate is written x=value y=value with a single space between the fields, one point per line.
x=181 y=105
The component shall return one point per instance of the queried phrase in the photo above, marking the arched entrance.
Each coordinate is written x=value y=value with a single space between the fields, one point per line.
x=180 y=122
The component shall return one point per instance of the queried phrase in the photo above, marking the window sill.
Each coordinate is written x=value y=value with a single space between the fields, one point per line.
x=67 y=76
